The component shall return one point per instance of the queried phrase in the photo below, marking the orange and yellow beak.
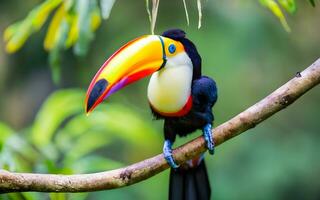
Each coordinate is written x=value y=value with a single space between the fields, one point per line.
x=135 y=60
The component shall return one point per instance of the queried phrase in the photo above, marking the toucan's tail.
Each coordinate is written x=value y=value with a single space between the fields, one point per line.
x=189 y=183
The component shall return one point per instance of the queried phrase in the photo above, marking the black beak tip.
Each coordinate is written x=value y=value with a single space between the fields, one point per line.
x=96 y=92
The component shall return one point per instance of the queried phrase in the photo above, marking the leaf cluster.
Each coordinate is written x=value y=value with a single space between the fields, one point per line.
x=63 y=140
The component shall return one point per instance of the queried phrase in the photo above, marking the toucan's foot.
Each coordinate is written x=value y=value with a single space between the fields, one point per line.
x=207 y=134
x=167 y=152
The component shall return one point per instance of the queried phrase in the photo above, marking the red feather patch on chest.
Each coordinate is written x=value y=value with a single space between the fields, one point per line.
x=185 y=110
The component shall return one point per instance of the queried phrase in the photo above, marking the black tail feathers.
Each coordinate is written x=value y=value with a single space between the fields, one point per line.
x=189 y=183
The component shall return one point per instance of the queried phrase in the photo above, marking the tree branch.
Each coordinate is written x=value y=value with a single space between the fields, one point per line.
x=278 y=100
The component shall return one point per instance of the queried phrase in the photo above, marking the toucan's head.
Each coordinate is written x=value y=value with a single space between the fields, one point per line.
x=137 y=59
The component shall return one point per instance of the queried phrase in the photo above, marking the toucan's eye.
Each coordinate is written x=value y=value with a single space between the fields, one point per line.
x=172 y=48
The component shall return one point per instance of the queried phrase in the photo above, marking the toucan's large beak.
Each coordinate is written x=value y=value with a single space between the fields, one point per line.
x=135 y=60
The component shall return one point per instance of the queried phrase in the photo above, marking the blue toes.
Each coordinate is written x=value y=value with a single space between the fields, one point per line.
x=167 y=152
x=207 y=130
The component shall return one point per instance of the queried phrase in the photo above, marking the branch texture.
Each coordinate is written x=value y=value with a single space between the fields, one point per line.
x=276 y=101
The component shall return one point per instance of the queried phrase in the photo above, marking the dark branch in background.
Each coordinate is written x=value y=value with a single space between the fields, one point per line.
x=278 y=100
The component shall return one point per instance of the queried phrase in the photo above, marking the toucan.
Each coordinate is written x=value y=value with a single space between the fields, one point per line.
x=177 y=94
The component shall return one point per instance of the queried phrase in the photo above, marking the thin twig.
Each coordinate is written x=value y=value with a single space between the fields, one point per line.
x=278 y=100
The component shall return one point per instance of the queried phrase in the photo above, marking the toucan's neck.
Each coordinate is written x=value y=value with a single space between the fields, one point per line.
x=195 y=57
x=189 y=47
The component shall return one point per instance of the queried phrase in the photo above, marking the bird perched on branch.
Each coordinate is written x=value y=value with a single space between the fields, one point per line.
x=177 y=94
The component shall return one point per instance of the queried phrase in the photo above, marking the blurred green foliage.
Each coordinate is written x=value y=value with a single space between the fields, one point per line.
x=243 y=48
x=63 y=140
x=74 y=23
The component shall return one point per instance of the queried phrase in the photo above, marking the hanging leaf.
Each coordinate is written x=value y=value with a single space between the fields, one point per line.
x=106 y=6
x=42 y=12
x=186 y=11
x=275 y=9
x=54 y=55
x=84 y=9
x=52 y=35
x=10 y=31
x=199 y=13
x=288 y=5
x=312 y=3
x=17 y=34
x=154 y=14
x=148 y=11
x=74 y=30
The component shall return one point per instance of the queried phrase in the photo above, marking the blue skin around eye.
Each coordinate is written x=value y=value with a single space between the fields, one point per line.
x=172 y=48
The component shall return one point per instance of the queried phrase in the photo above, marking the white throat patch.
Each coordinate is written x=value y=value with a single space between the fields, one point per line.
x=170 y=88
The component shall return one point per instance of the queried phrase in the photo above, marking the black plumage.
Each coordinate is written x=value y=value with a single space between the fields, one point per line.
x=191 y=183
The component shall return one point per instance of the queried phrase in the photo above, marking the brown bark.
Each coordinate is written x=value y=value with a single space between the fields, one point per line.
x=276 y=101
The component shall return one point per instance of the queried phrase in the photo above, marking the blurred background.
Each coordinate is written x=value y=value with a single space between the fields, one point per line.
x=43 y=127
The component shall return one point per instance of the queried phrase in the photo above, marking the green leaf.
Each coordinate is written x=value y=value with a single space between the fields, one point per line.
x=86 y=144
x=84 y=9
x=288 y=5
x=41 y=12
x=106 y=7
x=58 y=196
x=56 y=109
x=77 y=196
x=5 y=132
x=313 y=3
x=275 y=9
x=54 y=56
x=17 y=33
x=83 y=135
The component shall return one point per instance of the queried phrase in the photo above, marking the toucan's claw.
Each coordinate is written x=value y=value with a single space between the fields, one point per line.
x=207 y=134
x=167 y=152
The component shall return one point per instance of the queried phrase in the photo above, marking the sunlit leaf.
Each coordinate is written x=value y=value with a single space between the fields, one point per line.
x=10 y=31
x=52 y=35
x=42 y=12
x=74 y=31
x=289 y=5
x=275 y=9
x=56 y=109
x=95 y=19
x=106 y=6
x=17 y=35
